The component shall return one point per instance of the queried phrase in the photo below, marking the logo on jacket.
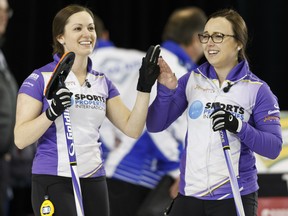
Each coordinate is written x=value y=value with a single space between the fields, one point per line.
x=33 y=76
x=196 y=109
x=86 y=101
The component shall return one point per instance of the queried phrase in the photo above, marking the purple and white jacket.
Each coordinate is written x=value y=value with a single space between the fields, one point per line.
x=87 y=113
x=203 y=168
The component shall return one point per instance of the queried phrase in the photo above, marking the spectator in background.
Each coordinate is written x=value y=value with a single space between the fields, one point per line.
x=181 y=46
x=135 y=167
x=8 y=95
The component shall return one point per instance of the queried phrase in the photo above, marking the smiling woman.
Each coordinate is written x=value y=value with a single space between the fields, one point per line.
x=245 y=103
x=48 y=120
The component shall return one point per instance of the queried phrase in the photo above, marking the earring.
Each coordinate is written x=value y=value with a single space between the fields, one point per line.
x=63 y=43
x=238 y=48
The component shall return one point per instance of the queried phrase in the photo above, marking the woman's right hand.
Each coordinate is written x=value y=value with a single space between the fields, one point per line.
x=61 y=100
x=166 y=77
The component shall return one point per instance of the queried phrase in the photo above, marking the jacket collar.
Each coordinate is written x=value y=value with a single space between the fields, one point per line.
x=239 y=72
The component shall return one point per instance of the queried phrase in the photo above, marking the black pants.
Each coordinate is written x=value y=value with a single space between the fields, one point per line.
x=60 y=192
x=125 y=198
x=184 y=205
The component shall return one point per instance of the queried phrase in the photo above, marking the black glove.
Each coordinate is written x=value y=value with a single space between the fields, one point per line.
x=149 y=70
x=222 y=119
x=60 y=101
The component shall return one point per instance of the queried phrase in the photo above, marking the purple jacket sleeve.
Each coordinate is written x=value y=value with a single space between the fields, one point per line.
x=263 y=133
x=167 y=106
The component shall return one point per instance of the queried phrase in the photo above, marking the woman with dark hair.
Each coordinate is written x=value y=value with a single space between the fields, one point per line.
x=91 y=97
x=249 y=112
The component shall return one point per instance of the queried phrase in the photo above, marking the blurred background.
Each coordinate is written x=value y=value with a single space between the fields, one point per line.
x=138 y=24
